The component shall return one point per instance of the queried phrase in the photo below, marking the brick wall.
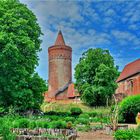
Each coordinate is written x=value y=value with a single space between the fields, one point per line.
x=129 y=86
x=59 y=69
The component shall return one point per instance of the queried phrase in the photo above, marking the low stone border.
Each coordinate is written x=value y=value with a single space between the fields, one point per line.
x=28 y=134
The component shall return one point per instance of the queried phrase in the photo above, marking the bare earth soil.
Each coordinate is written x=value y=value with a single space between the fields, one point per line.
x=98 y=135
x=94 y=135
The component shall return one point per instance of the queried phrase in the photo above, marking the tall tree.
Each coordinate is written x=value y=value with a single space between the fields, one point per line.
x=19 y=44
x=95 y=76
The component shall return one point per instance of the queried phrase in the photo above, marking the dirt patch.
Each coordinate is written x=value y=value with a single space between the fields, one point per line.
x=94 y=135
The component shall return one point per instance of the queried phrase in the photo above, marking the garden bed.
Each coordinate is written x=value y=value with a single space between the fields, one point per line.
x=109 y=129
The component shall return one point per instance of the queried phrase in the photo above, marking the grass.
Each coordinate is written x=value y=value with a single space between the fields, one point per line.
x=60 y=107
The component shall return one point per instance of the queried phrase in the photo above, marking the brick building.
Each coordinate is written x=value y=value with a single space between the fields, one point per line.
x=60 y=71
x=129 y=79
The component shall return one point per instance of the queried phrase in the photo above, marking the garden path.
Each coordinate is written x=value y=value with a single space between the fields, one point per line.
x=98 y=135
x=94 y=135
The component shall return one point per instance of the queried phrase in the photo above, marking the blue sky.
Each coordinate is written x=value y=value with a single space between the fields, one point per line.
x=108 y=24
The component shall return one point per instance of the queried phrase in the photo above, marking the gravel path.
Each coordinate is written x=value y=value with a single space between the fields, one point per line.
x=98 y=135
x=94 y=135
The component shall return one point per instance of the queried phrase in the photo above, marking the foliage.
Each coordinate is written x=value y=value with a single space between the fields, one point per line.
x=97 y=127
x=95 y=76
x=57 y=113
x=76 y=111
x=129 y=107
x=20 y=41
x=84 y=128
x=5 y=129
x=84 y=115
x=23 y=123
x=2 y=110
x=69 y=119
x=129 y=134
x=42 y=124
x=93 y=114
x=58 y=124
x=32 y=124
x=83 y=121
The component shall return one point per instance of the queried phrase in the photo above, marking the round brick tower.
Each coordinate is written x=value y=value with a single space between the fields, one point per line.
x=60 y=75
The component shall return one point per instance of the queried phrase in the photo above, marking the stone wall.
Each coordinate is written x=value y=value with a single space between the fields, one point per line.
x=37 y=134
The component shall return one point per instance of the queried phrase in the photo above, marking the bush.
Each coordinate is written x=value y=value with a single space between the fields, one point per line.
x=15 y=124
x=5 y=132
x=69 y=119
x=93 y=114
x=23 y=123
x=82 y=121
x=86 y=116
x=32 y=124
x=95 y=119
x=55 y=113
x=129 y=134
x=54 y=117
x=58 y=124
x=84 y=128
x=76 y=111
x=129 y=107
x=40 y=124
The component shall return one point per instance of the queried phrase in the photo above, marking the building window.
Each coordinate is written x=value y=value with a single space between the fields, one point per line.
x=131 y=87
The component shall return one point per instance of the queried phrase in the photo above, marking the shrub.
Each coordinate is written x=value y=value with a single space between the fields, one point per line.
x=85 y=128
x=32 y=124
x=46 y=125
x=76 y=111
x=58 y=124
x=129 y=134
x=69 y=119
x=57 y=113
x=40 y=124
x=86 y=116
x=5 y=126
x=123 y=135
x=23 y=123
x=129 y=107
x=15 y=124
x=92 y=114
x=54 y=118
x=82 y=121
x=95 y=119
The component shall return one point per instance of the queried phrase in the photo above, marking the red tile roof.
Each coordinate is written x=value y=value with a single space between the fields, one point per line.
x=72 y=92
x=129 y=70
x=60 y=39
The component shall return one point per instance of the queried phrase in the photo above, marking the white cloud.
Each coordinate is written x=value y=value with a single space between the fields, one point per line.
x=90 y=24
x=124 y=37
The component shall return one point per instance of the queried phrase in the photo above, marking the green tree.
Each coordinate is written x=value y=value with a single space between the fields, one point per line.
x=95 y=76
x=19 y=44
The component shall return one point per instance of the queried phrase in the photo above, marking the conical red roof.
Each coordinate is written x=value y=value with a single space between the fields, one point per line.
x=60 y=39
